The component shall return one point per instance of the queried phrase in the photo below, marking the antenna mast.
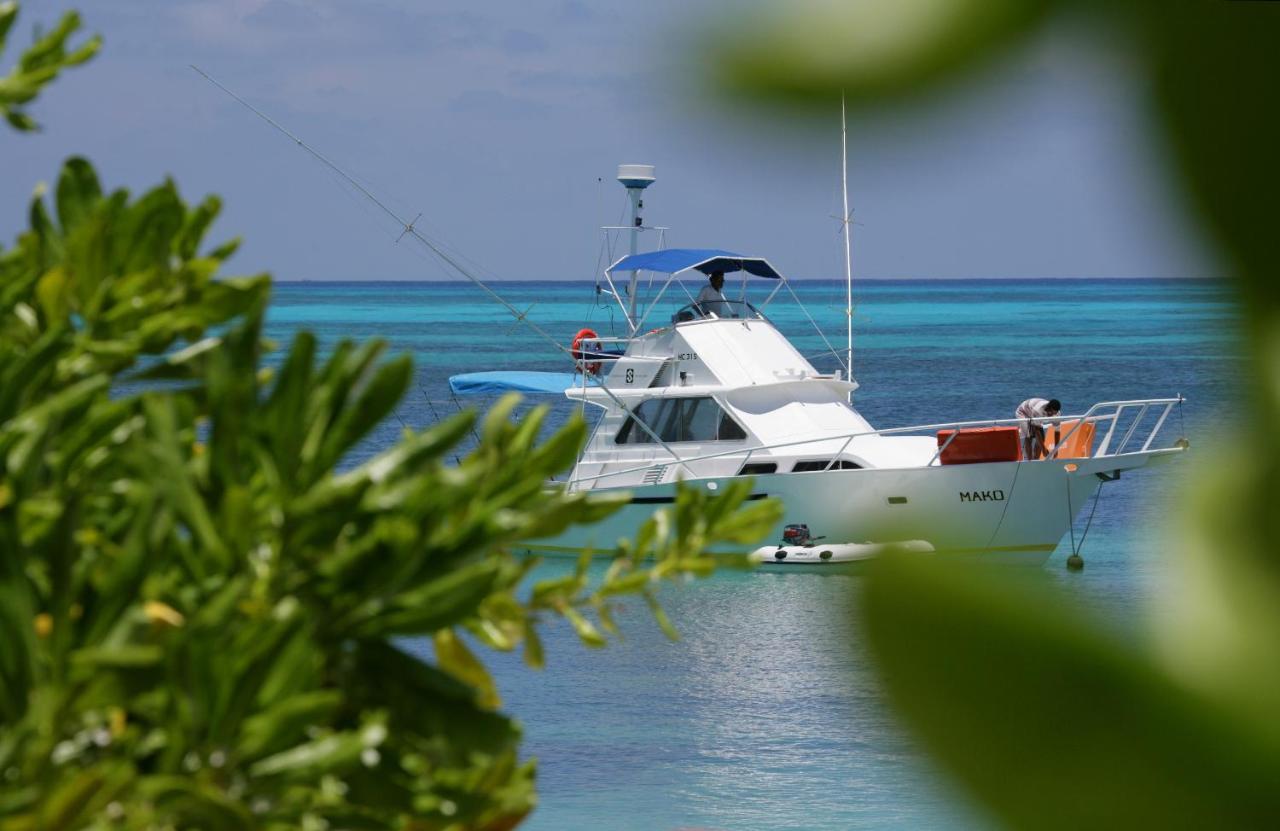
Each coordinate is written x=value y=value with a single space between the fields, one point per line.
x=635 y=178
x=848 y=261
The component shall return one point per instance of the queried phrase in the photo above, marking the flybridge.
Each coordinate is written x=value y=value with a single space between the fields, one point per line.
x=676 y=261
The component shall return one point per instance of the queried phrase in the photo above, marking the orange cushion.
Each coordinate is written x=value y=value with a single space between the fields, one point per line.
x=1078 y=444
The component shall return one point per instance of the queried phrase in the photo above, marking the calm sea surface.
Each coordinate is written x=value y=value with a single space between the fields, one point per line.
x=767 y=714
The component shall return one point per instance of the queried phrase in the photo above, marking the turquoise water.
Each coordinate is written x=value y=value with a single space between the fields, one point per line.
x=767 y=715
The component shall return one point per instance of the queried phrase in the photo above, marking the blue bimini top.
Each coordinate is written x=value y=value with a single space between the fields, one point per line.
x=706 y=260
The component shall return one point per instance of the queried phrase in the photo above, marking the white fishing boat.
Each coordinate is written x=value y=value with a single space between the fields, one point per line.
x=706 y=393
x=711 y=392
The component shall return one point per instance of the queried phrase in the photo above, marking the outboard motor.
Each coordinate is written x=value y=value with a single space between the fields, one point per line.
x=797 y=534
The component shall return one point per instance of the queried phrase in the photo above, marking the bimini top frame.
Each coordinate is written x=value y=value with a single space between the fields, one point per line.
x=676 y=261
x=707 y=260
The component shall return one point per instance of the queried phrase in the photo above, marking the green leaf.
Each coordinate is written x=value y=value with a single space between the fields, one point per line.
x=441 y=602
x=149 y=227
x=78 y=193
x=19 y=120
x=48 y=51
x=122 y=656
x=8 y=13
x=80 y=795
x=534 y=655
x=872 y=51
x=456 y=659
x=49 y=241
x=426 y=702
x=1051 y=722
x=35 y=421
x=587 y=632
x=181 y=364
x=659 y=615
x=17 y=659
x=497 y=422
x=273 y=729
x=378 y=399
x=308 y=761
x=39 y=64
x=194 y=803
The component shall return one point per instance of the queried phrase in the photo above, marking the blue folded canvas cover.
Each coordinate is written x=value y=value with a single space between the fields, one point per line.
x=493 y=383
x=706 y=260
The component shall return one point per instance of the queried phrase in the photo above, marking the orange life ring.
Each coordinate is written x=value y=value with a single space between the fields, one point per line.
x=585 y=343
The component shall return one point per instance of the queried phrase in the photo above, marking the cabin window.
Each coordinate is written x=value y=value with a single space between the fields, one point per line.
x=680 y=420
x=758 y=468
x=811 y=465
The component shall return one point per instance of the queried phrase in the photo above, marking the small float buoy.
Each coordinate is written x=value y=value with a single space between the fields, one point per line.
x=1075 y=563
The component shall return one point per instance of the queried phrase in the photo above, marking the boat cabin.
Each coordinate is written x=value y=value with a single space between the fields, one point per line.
x=714 y=390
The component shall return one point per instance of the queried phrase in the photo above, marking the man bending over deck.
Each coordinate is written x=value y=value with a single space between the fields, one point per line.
x=1032 y=434
x=710 y=300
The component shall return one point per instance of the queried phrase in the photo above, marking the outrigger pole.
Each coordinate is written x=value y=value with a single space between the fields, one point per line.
x=410 y=230
x=848 y=262
x=408 y=227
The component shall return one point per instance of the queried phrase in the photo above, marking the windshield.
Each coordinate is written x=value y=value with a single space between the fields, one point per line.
x=713 y=309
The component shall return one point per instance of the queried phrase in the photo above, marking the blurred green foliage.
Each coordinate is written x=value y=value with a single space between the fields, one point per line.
x=1051 y=722
x=39 y=64
x=198 y=608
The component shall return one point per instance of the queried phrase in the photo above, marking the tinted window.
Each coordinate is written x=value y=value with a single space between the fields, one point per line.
x=729 y=429
x=808 y=466
x=680 y=420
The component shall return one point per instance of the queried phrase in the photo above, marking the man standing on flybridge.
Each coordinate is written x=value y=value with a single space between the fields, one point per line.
x=1033 y=434
x=710 y=300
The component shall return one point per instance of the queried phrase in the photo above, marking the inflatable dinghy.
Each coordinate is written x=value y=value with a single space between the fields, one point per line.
x=832 y=554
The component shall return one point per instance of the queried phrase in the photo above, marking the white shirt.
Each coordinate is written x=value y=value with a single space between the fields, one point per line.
x=1032 y=408
x=711 y=301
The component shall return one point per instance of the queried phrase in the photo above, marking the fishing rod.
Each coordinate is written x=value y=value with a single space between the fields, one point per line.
x=411 y=231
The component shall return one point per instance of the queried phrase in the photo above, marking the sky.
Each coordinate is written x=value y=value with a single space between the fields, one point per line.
x=503 y=123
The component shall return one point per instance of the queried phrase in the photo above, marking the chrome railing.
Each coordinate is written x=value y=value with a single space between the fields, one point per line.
x=1112 y=412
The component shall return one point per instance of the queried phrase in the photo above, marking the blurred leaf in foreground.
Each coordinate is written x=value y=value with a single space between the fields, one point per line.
x=1052 y=722
x=871 y=50
x=1049 y=721
x=199 y=606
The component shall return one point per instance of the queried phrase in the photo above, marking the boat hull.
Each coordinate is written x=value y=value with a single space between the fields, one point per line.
x=1014 y=512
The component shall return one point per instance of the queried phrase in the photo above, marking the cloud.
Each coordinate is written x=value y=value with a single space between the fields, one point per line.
x=492 y=102
x=284 y=15
x=331 y=29
x=520 y=42
x=576 y=11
